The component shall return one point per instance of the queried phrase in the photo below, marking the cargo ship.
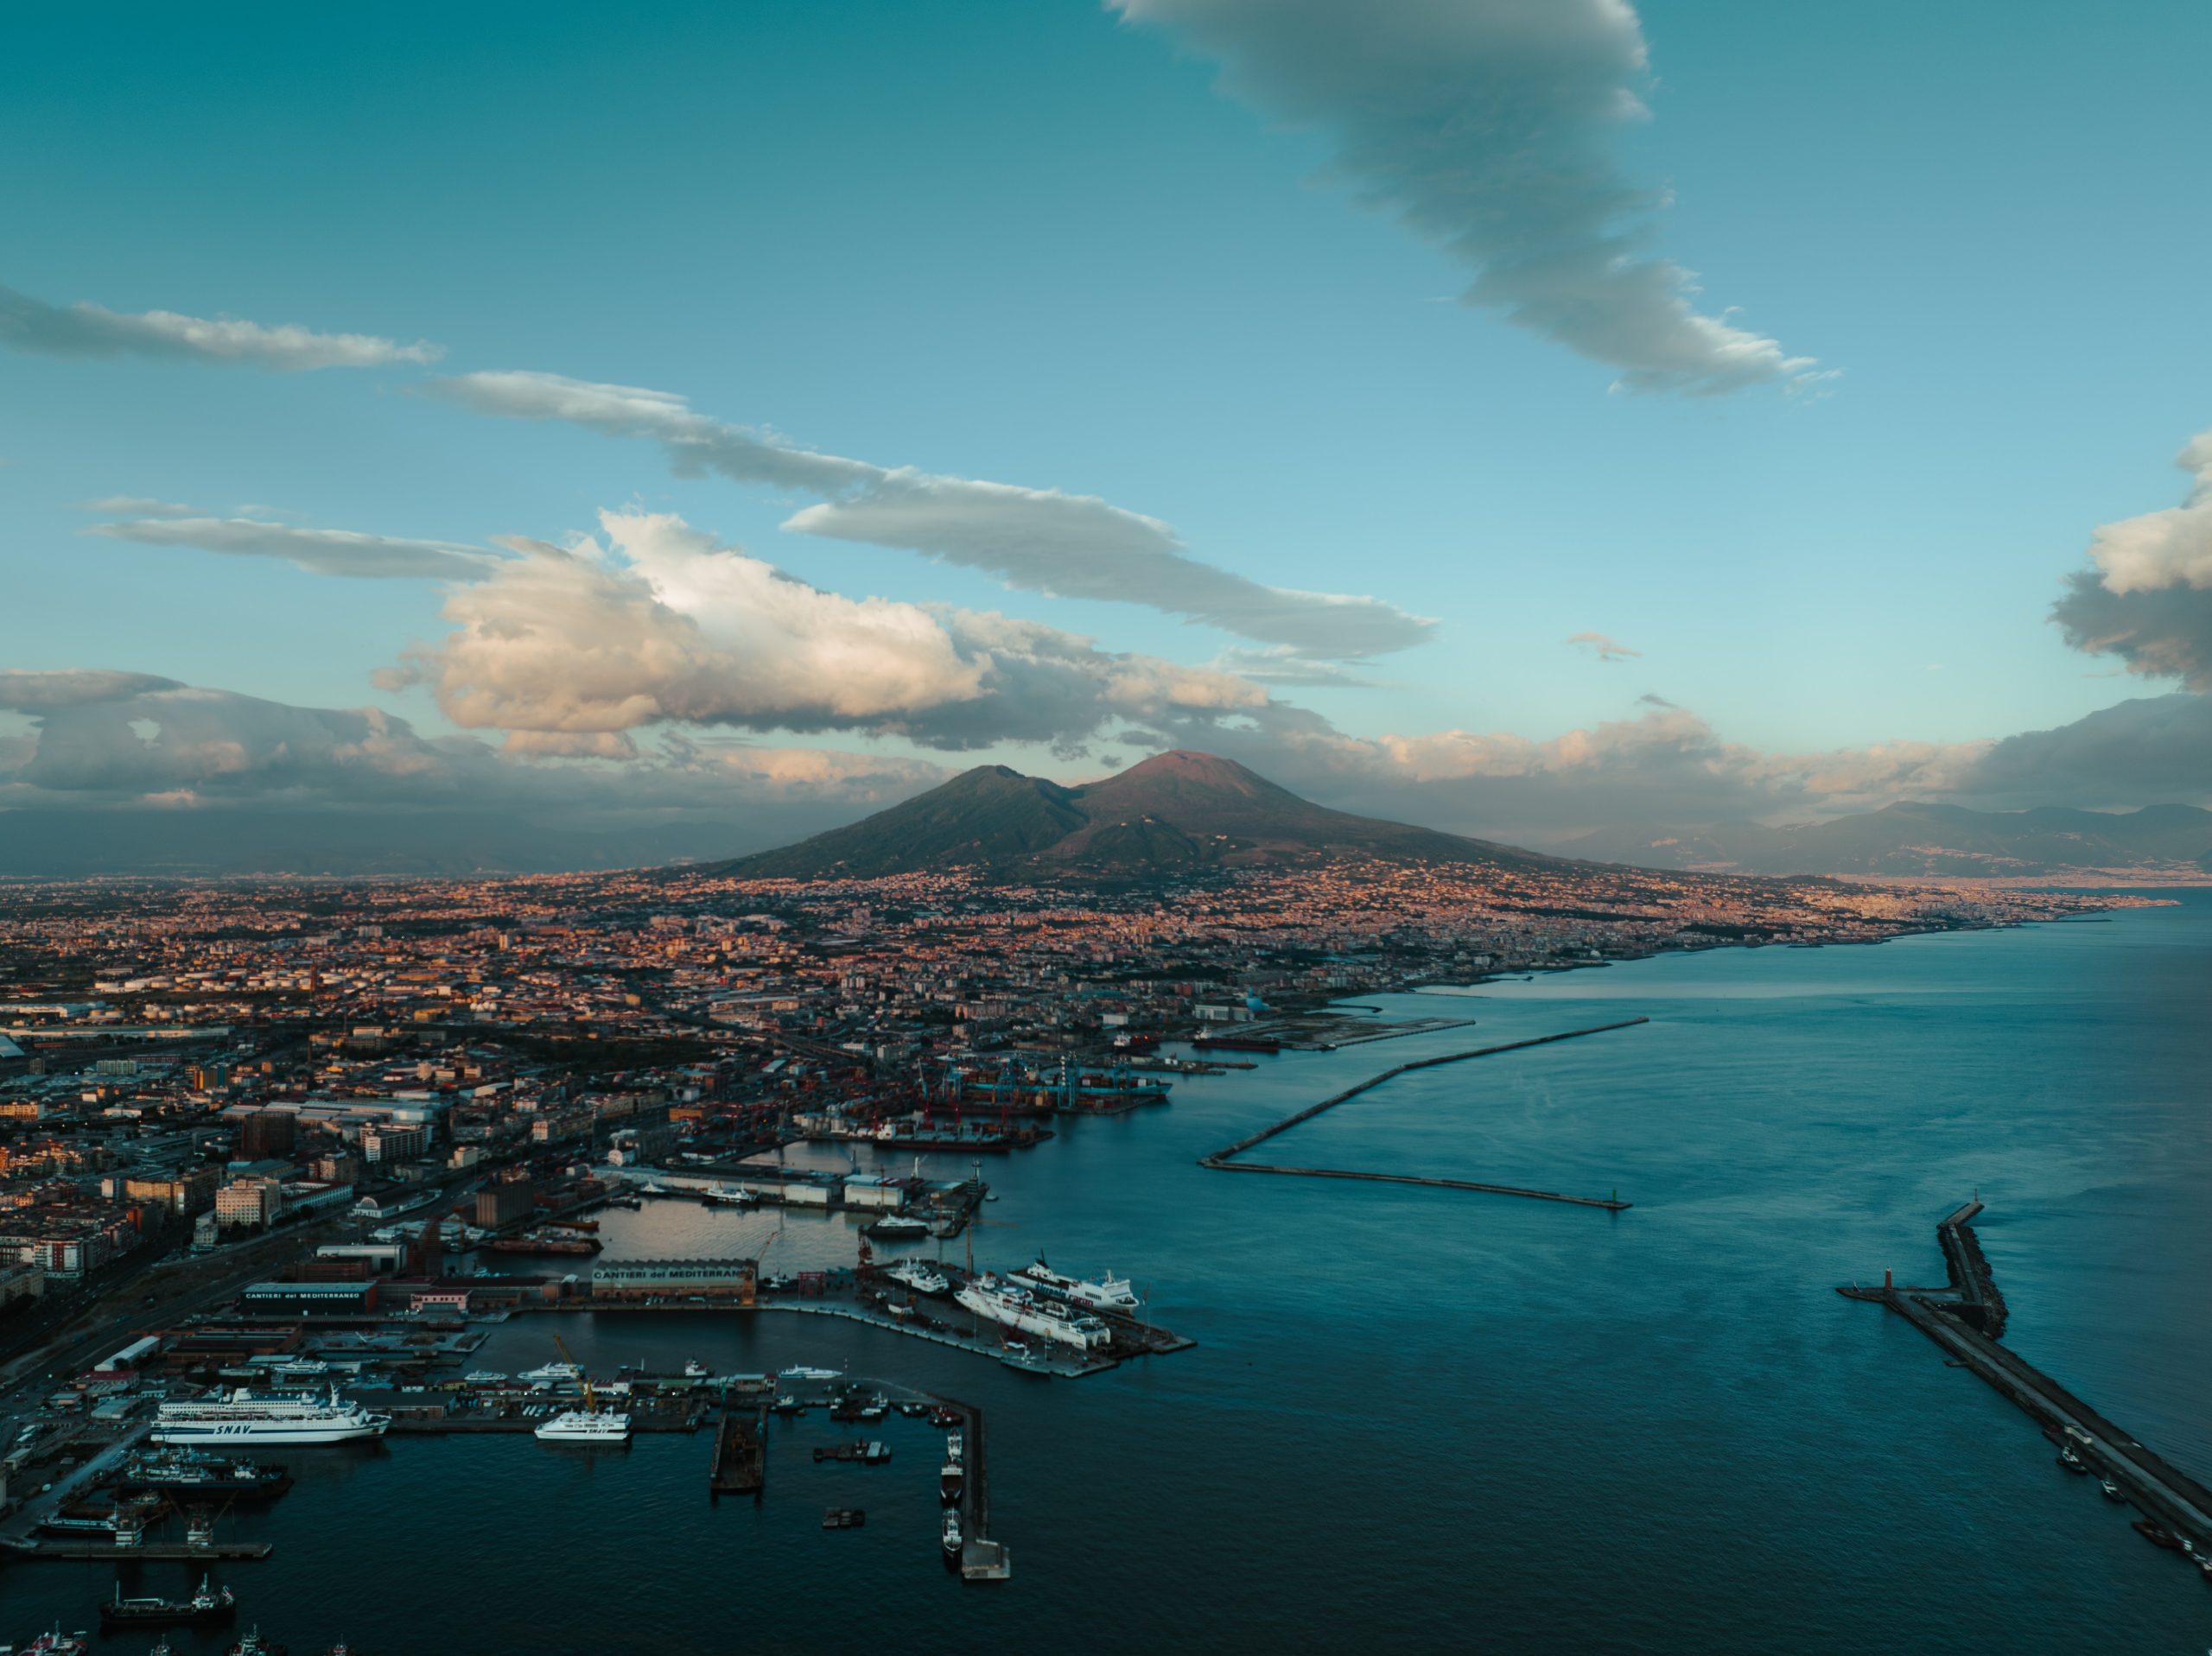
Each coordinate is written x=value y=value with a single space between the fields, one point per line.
x=544 y=1242
x=1109 y=1293
x=179 y=1471
x=1014 y=1305
x=206 y=1608
x=241 y=1415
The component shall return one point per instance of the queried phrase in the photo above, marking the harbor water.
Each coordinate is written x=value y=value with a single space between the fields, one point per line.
x=1422 y=1419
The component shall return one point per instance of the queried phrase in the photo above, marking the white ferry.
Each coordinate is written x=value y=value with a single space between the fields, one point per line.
x=585 y=1426
x=1012 y=1304
x=1110 y=1293
x=917 y=1276
x=241 y=1415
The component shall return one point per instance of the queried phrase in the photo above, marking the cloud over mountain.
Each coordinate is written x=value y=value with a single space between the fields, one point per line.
x=1486 y=127
x=91 y=331
x=659 y=624
x=1038 y=540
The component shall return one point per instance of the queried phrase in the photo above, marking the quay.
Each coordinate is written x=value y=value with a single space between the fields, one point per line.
x=1964 y=1318
x=981 y=1557
x=1223 y=1160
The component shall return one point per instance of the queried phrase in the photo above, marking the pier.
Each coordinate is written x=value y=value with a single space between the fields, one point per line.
x=1223 y=1160
x=1964 y=1318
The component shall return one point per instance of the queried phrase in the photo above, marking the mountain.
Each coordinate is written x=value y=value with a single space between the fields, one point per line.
x=1175 y=810
x=1905 y=842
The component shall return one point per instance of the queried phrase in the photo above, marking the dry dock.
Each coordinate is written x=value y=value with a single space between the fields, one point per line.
x=1222 y=1161
x=736 y=1466
x=1956 y=1316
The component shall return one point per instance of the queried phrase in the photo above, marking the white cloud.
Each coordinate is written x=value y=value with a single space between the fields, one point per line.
x=658 y=624
x=1486 y=127
x=1603 y=648
x=2148 y=600
x=324 y=551
x=138 y=505
x=24 y=690
x=1041 y=540
x=85 y=330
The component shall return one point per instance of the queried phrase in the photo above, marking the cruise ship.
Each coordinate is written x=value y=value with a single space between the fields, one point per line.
x=242 y=1416
x=585 y=1426
x=1011 y=1303
x=1109 y=1293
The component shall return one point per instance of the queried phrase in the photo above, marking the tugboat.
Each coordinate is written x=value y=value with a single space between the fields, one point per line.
x=697 y=1370
x=952 y=1537
x=206 y=1607
x=2072 y=1462
x=254 y=1644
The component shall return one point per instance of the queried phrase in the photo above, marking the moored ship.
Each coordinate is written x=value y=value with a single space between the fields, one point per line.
x=183 y=1471
x=206 y=1607
x=243 y=1416
x=1011 y=1303
x=953 y=1474
x=1109 y=1293
x=585 y=1426
x=914 y=1274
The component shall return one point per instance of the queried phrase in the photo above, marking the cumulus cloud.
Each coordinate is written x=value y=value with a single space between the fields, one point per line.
x=2148 y=600
x=90 y=330
x=1603 y=648
x=1487 y=127
x=658 y=624
x=1040 y=540
x=324 y=551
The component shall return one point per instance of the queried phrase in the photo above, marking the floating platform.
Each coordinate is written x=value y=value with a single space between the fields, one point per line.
x=738 y=1464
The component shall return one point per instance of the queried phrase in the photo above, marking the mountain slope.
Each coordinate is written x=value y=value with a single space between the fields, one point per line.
x=1911 y=840
x=1179 y=809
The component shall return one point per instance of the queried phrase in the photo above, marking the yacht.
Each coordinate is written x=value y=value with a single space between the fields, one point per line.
x=917 y=1276
x=484 y=1377
x=697 y=1370
x=241 y=1415
x=585 y=1426
x=554 y=1372
x=898 y=1227
x=806 y=1374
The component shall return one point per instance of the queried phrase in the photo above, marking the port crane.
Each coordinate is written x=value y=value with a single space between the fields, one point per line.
x=591 y=1397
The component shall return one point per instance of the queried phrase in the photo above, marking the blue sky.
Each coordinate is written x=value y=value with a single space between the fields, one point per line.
x=1038 y=244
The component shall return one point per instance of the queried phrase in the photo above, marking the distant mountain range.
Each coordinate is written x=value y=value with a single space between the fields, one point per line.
x=1910 y=841
x=1175 y=811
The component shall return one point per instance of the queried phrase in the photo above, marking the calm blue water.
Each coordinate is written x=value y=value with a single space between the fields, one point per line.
x=1427 y=1420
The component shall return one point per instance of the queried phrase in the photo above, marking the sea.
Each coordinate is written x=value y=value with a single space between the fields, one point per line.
x=1422 y=1419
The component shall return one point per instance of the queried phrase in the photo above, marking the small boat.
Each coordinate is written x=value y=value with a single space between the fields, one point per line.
x=947 y=1418
x=254 y=1644
x=2157 y=1535
x=843 y=1517
x=787 y=1405
x=2072 y=1462
x=697 y=1370
x=951 y=1537
x=2111 y=1490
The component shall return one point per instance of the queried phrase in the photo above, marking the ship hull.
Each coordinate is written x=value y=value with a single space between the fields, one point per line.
x=259 y=1431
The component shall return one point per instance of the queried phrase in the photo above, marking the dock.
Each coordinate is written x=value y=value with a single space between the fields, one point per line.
x=1224 y=1160
x=144 y=1551
x=737 y=1466
x=1964 y=1317
x=981 y=1557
